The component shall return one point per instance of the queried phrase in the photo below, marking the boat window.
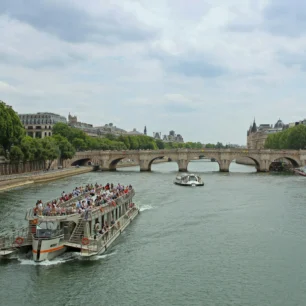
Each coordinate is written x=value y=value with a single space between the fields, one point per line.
x=192 y=178
x=48 y=225
x=46 y=229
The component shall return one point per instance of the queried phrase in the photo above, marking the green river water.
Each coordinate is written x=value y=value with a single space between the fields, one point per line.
x=239 y=240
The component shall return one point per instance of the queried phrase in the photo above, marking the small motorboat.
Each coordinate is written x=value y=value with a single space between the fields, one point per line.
x=189 y=180
x=300 y=171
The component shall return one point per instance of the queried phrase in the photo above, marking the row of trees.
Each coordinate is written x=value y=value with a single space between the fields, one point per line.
x=293 y=138
x=16 y=146
x=81 y=141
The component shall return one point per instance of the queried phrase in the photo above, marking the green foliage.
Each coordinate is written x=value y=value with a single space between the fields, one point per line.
x=11 y=129
x=29 y=149
x=16 y=154
x=79 y=144
x=218 y=145
x=50 y=148
x=64 y=148
x=160 y=144
x=293 y=138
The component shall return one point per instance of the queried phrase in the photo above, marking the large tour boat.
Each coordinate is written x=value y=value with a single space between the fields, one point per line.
x=89 y=222
x=189 y=180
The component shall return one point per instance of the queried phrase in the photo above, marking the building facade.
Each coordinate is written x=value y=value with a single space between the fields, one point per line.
x=172 y=137
x=40 y=125
x=110 y=129
x=256 y=136
x=87 y=128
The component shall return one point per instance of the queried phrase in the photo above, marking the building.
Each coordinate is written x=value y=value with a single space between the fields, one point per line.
x=172 y=137
x=157 y=135
x=256 y=136
x=292 y=124
x=134 y=133
x=87 y=128
x=110 y=129
x=40 y=125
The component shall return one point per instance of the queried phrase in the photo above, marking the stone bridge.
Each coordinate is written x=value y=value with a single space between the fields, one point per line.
x=107 y=160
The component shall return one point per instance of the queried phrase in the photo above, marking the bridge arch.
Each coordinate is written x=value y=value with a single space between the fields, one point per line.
x=152 y=160
x=250 y=158
x=295 y=163
x=148 y=165
x=81 y=162
x=113 y=163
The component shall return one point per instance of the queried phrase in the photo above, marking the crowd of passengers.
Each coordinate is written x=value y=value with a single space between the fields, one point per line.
x=104 y=195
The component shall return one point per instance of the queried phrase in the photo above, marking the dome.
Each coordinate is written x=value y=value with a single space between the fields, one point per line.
x=279 y=124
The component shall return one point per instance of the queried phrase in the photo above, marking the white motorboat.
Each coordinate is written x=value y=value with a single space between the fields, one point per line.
x=189 y=180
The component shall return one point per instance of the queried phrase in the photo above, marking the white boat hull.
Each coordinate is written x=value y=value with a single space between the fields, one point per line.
x=190 y=184
x=47 y=249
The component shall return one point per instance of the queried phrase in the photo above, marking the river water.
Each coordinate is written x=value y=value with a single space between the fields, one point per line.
x=239 y=240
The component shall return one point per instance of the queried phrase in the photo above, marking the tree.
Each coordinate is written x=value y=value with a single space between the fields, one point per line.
x=293 y=138
x=50 y=150
x=160 y=144
x=65 y=148
x=16 y=154
x=210 y=146
x=79 y=144
x=28 y=147
x=11 y=128
x=297 y=137
x=62 y=129
x=110 y=136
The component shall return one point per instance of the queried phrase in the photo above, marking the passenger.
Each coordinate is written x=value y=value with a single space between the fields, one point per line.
x=97 y=228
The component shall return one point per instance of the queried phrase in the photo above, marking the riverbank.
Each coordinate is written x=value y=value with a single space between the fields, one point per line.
x=41 y=177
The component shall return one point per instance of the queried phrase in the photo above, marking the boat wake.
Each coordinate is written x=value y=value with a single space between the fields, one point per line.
x=145 y=207
x=60 y=260
x=63 y=259
x=103 y=256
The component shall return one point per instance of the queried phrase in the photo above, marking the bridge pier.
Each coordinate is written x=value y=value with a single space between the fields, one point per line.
x=144 y=165
x=183 y=165
x=264 y=166
x=224 y=165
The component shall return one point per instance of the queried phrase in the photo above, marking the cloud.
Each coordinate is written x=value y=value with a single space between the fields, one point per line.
x=73 y=24
x=285 y=18
x=213 y=64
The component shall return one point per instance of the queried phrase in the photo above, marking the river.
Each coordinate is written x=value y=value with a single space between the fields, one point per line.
x=239 y=240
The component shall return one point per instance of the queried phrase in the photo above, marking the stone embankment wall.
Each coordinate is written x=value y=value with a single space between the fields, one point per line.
x=245 y=161
x=10 y=182
x=18 y=168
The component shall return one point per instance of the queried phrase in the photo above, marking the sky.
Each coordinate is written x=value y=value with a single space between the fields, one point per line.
x=203 y=68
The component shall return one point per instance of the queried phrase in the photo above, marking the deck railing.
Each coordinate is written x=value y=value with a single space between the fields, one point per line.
x=10 y=240
x=95 y=245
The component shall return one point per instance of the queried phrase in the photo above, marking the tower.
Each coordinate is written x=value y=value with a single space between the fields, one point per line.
x=145 y=130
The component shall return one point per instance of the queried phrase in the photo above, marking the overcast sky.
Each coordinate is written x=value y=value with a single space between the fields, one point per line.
x=202 y=68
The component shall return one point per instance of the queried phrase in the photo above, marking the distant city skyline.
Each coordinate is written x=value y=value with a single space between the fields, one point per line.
x=204 y=70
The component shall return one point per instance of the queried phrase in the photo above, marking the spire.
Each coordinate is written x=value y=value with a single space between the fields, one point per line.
x=145 y=130
x=254 y=127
